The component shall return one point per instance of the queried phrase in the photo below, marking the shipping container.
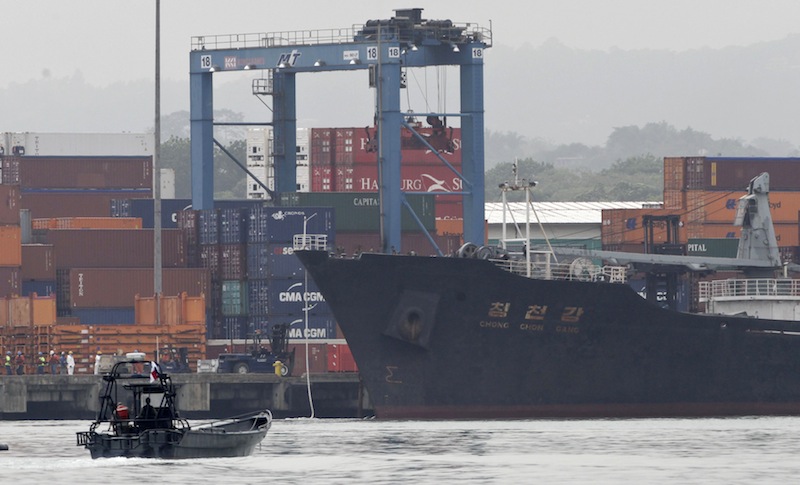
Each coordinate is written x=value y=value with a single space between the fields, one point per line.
x=673 y=175
x=360 y=211
x=713 y=247
x=232 y=327
x=340 y=358
x=446 y=140
x=786 y=234
x=294 y=298
x=321 y=147
x=38 y=262
x=320 y=327
x=208 y=226
x=233 y=261
x=10 y=246
x=272 y=261
x=210 y=258
x=39 y=287
x=449 y=207
x=115 y=248
x=87 y=223
x=76 y=203
x=258 y=298
x=234 y=298
x=233 y=225
x=414 y=178
x=114 y=288
x=450 y=227
x=83 y=172
x=78 y=144
x=317 y=359
x=715 y=206
x=281 y=224
x=623 y=226
x=10 y=204
x=105 y=316
x=171 y=310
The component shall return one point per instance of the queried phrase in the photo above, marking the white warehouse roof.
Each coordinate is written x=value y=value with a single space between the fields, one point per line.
x=558 y=212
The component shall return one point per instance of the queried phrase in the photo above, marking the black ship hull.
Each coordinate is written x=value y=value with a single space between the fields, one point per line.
x=453 y=338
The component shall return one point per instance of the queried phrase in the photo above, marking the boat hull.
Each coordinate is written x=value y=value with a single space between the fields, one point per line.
x=461 y=338
x=239 y=439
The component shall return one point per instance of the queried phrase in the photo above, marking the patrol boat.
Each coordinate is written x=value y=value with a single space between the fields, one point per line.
x=138 y=418
x=497 y=333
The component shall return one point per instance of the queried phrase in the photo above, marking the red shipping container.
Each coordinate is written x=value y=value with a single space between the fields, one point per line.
x=340 y=358
x=321 y=149
x=86 y=203
x=317 y=358
x=352 y=244
x=9 y=204
x=449 y=207
x=117 y=287
x=115 y=248
x=38 y=262
x=81 y=172
x=415 y=178
x=413 y=150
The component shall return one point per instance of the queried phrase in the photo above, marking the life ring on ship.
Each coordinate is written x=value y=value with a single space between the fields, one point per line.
x=468 y=250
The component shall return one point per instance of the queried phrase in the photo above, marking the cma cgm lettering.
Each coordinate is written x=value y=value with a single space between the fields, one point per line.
x=318 y=327
x=290 y=297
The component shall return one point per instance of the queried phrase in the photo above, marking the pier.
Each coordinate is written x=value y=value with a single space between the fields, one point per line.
x=199 y=396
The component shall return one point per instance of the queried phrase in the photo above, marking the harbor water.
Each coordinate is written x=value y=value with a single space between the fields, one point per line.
x=724 y=450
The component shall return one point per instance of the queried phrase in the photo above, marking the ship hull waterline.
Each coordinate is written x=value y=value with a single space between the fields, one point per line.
x=453 y=338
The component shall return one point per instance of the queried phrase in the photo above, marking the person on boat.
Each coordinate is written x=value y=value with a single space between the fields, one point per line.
x=147 y=416
x=8 y=364
x=41 y=364
x=20 y=363
x=54 y=362
x=138 y=367
x=120 y=418
x=70 y=363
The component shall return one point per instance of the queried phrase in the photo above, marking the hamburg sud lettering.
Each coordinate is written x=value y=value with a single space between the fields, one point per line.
x=566 y=318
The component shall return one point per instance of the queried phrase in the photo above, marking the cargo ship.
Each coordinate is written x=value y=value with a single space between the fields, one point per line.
x=491 y=333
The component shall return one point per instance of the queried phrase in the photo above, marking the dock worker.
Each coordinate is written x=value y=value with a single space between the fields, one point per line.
x=8 y=363
x=54 y=362
x=20 y=363
x=97 y=362
x=70 y=363
x=41 y=363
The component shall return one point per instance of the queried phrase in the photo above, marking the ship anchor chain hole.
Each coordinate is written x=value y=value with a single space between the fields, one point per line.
x=411 y=324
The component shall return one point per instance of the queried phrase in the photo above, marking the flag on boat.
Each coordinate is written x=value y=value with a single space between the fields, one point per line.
x=154 y=371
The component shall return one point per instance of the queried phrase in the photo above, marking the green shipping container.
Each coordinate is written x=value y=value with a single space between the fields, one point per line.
x=360 y=211
x=713 y=247
x=234 y=298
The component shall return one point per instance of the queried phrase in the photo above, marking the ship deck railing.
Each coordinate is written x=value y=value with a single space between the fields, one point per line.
x=547 y=270
x=739 y=288
x=313 y=242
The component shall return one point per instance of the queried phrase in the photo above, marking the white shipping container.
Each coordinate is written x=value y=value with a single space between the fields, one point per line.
x=261 y=163
x=77 y=144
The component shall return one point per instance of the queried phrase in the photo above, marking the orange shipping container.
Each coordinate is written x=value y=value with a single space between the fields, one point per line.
x=786 y=234
x=450 y=226
x=625 y=226
x=10 y=246
x=720 y=207
x=88 y=223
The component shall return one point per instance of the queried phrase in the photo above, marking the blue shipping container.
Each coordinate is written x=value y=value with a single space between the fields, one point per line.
x=41 y=288
x=281 y=224
x=258 y=297
x=105 y=316
x=208 y=226
x=273 y=261
x=143 y=208
x=233 y=225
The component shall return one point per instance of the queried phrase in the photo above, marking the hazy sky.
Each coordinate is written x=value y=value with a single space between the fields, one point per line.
x=113 y=40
